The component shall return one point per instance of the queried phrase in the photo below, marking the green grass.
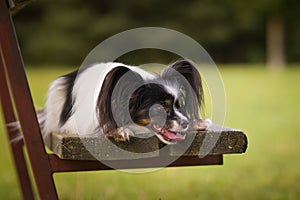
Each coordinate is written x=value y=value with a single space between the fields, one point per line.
x=264 y=104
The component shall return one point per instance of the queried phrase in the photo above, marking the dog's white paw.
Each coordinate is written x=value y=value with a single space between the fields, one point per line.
x=122 y=134
x=200 y=124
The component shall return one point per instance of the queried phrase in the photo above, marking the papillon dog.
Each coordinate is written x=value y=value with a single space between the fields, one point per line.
x=111 y=98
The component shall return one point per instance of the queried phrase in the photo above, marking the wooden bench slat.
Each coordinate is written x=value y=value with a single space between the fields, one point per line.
x=72 y=147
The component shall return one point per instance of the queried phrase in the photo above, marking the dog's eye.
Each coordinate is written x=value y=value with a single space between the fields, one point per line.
x=177 y=104
x=164 y=104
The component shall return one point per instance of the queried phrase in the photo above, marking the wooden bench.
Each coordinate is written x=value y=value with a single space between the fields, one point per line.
x=73 y=147
x=70 y=154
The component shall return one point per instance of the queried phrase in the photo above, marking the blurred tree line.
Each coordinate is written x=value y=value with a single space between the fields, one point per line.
x=65 y=31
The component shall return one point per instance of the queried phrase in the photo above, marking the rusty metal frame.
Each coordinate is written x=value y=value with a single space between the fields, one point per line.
x=16 y=147
x=16 y=98
x=14 y=74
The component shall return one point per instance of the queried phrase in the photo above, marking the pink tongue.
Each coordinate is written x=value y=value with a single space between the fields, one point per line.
x=173 y=136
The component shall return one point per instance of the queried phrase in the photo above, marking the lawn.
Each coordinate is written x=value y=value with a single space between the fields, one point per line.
x=264 y=104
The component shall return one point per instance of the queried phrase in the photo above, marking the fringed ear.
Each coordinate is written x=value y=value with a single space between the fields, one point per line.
x=113 y=100
x=194 y=99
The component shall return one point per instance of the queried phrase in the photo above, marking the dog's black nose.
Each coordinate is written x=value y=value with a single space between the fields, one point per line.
x=184 y=124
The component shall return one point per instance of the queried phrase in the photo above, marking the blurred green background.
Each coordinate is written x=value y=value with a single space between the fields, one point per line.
x=64 y=32
x=256 y=46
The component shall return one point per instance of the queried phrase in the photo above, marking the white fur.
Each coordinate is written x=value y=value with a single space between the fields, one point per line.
x=172 y=90
x=54 y=105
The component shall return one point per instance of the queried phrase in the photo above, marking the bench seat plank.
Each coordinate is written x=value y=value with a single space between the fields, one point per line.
x=72 y=147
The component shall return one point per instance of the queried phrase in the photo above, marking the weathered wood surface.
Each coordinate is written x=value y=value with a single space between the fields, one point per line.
x=217 y=140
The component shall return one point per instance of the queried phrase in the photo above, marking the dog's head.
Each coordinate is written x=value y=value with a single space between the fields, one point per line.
x=165 y=104
x=157 y=106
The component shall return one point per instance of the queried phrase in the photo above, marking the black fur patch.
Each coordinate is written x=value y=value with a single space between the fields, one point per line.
x=105 y=109
x=68 y=105
x=145 y=97
x=193 y=78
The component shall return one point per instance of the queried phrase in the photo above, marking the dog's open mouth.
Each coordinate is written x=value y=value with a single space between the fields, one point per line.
x=167 y=136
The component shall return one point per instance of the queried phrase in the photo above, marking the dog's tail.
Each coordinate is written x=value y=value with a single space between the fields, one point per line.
x=16 y=127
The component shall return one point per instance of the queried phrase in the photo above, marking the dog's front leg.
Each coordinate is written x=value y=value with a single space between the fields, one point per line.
x=200 y=124
x=122 y=134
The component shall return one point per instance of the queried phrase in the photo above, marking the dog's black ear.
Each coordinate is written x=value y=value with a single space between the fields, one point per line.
x=113 y=100
x=184 y=68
